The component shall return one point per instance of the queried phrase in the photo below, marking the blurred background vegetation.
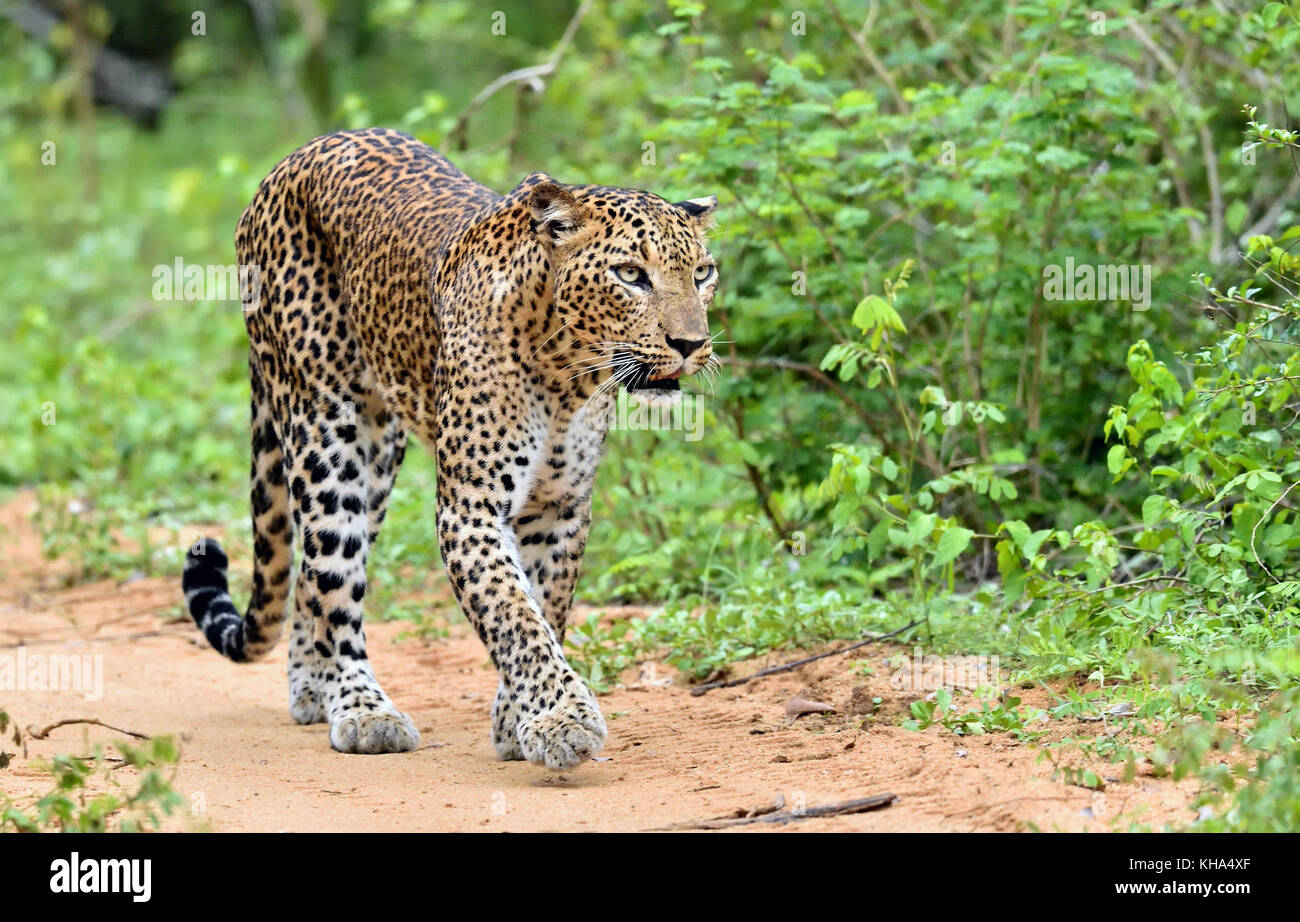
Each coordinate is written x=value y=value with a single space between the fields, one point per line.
x=908 y=428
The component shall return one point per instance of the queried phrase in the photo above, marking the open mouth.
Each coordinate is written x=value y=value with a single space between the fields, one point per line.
x=636 y=376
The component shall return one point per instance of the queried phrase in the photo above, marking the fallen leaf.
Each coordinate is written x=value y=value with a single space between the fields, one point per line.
x=800 y=705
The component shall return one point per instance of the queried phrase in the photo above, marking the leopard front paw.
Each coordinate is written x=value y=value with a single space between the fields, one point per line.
x=561 y=729
x=361 y=731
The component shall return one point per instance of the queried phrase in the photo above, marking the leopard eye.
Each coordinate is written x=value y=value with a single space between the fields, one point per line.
x=703 y=273
x=632 y=275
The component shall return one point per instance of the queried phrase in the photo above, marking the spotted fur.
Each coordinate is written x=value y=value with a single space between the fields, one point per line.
x=399 y=296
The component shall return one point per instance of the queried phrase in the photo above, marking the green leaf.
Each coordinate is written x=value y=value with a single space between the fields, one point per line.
x=1034 y=542
x=1235 y=216
x=1153 y=508
x=875 y=313
x=1115 y=458
x=1018 y=531
x=951 y=545
x=877 y=539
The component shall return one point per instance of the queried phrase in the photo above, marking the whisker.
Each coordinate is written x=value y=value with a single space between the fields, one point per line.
x=551 y=337
x=587 y=371
x=598 y=357
x=611 y=383
x=618 y=364
x=606 y=353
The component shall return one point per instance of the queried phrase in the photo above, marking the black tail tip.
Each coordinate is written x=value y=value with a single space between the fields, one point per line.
x=207 y=550
x=205 y=566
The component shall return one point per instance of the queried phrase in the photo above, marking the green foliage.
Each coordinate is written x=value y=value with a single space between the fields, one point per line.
x=1003 y=716
x=764 y=614
x=1263 y=794
x=7 y=757
x=73 y=806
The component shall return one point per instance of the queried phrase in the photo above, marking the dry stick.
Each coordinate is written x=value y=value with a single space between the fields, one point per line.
x=138 y=635
x=816 y=374
x=862 y=805
x=42 y=734
x=934 y=38
x=1203 y=130
x=41 y=604
x=113 y=329
x=281 y=70
x=1270 y=218
x=860 y=40
x=756 y=479
x=529 y=75
x=812 y=371
x=773 y=670
x=1266 y=514
x=794 y=266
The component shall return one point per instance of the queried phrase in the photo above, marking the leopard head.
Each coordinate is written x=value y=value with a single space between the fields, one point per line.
x=633 y=280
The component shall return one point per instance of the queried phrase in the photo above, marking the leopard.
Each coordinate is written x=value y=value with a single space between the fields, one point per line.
x=396 y=297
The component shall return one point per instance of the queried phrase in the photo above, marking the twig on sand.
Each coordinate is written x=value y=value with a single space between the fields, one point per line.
x=113 y=638
x=786 y=667
x=43 y=733
x=862 y=805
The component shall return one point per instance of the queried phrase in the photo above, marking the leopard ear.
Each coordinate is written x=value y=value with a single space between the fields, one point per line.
x=556 y=214
x=701 y=209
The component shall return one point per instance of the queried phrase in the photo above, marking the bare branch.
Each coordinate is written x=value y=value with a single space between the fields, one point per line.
x=531 y=76
x=45 y=731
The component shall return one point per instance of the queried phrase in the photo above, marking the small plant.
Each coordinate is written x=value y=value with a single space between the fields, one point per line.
x=72 y=806
x=7 y=757
x=98 y=541
x=600 y=649
x=999 y=717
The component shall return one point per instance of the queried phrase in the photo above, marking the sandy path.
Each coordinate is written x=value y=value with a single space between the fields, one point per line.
x=672 y=758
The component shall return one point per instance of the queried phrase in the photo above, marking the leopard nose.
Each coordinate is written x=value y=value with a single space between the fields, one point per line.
x=687 y=347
